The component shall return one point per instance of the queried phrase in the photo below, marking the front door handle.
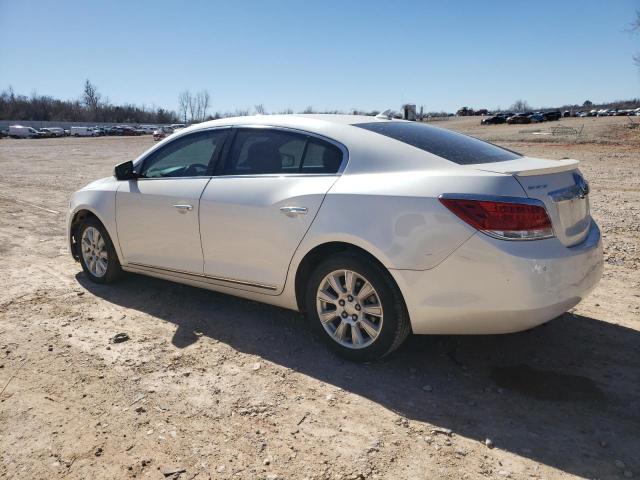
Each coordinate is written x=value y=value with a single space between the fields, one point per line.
x=293 y=211
x=184 y=207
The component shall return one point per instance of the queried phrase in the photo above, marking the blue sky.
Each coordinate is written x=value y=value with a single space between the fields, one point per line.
x=328 y=54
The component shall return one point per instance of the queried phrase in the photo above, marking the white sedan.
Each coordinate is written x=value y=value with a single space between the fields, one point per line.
x=373 y=228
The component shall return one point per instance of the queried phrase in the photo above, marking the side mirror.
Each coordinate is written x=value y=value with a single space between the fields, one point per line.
x=124 y=171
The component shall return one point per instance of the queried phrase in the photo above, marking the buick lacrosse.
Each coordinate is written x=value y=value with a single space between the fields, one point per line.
x=373 y=228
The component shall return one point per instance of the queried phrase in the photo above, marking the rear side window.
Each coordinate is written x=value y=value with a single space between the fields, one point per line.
x=321 y=157
x=452 y=146
x=264 y=151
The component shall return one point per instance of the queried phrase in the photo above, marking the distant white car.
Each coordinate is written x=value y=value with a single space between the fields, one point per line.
x=374 y=228
x=148 y=129
x=83 y=132
x=57 y=131
x=18 y=131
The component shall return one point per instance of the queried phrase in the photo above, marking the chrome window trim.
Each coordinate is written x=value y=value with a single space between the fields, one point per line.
x=343 y=149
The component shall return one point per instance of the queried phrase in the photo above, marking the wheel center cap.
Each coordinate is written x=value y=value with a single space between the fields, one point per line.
x=350 y=308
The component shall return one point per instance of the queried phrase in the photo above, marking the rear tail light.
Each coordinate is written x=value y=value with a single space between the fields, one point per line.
x=511 y=219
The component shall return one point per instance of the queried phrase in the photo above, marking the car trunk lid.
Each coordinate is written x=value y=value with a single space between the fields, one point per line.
x=559 y=185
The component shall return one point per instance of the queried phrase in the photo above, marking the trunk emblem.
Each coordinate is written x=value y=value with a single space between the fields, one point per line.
x=581 y=185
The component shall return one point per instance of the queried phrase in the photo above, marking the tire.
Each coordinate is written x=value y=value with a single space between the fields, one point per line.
x=111 y=265
x=392 y=322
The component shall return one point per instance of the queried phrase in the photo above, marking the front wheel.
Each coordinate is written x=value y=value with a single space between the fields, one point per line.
x=97 y=254
x=356 y=307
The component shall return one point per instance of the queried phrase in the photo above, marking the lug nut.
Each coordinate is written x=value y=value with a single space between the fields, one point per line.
x=341 y=303
x=354 y=316
x=358 y=307
x=344 y=314
x=350 y=298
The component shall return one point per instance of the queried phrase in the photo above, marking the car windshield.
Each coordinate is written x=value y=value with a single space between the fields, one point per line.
x=452 y=146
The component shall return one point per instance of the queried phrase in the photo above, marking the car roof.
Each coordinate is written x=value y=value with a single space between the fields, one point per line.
x=369 y=152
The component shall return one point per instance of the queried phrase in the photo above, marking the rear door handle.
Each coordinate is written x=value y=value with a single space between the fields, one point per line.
x=183 y=207
x=293 y=211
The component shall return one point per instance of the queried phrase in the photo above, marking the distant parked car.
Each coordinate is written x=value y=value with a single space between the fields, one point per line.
x=521 y=118
x=57 y=131
x=45 y=133
x=100 y=130
x=129 y=131
x=162 y=132
x=83 y=132
x=148 y=129
x=18 y=131
x=566 y=113
x=537 y=117
x=553 y=115
x=493 y=120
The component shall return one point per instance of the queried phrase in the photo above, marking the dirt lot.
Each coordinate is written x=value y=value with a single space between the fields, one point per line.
x=210 y=386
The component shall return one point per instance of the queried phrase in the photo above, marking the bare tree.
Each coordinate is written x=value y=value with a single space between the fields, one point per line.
x=520 y=106
x=91 y=97
x=202 y=105
x=193 y=107
x=309 y=109
x=184 y=99
x=260 y=109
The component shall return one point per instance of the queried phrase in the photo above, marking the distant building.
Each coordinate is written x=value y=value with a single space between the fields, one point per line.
x=409 y=112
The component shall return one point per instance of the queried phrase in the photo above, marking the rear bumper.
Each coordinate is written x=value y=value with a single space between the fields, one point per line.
x=494 y=286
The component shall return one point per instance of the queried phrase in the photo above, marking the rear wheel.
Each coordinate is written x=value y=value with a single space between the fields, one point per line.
x=97 y=254
x=356 y=307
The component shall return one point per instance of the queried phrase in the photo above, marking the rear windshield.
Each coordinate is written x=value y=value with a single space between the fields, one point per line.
x=449 y=145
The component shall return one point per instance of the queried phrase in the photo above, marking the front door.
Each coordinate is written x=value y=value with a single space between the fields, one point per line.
x=157 y=214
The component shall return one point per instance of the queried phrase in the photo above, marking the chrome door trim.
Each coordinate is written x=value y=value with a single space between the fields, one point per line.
x=181 y=206
x=200 y=277
x=293 y=211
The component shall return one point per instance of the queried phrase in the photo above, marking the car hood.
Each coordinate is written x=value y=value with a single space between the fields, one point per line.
x=97 y=184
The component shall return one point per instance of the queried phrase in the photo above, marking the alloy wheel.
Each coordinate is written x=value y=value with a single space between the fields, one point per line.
x=349 y=309
x=94 y=251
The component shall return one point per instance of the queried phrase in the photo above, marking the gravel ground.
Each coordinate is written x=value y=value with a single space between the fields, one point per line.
x=211 y=386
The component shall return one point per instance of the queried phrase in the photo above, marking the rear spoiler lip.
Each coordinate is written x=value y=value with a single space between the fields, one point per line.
x=539 y=167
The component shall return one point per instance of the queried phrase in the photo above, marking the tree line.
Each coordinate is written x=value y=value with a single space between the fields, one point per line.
x=90 y=107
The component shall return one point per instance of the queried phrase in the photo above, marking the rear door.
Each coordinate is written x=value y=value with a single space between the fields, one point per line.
x=157 y=214
x=255 y=213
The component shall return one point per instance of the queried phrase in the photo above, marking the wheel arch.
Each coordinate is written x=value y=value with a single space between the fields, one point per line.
x=317 y=254
x=76 y=219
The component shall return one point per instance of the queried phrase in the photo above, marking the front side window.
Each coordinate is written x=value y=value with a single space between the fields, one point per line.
x=188 y=156
x=452 y=146
x=265 y=151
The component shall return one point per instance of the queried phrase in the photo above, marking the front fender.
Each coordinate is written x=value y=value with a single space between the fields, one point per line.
x=102 y=204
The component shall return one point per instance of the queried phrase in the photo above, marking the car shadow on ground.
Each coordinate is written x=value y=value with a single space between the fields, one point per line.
x=564 y=394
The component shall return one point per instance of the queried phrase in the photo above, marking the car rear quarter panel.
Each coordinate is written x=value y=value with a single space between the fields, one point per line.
x=398 y=218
